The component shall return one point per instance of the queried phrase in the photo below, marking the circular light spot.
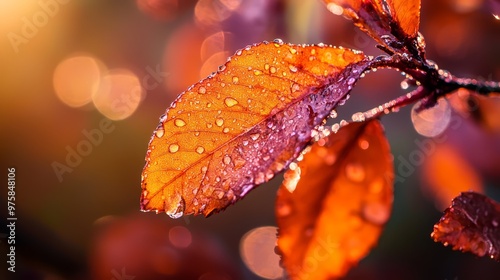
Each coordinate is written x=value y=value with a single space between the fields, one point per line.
x=257 y=251
x=355 y=172
x=76 y=79
x=180 y=237
x=119 y=94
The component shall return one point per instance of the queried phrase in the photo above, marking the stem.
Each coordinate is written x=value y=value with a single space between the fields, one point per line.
x=395 y=104
x=481 y=87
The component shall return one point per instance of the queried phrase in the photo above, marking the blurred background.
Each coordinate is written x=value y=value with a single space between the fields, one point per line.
x=83 y=84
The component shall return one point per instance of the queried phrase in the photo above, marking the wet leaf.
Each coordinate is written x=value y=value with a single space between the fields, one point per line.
x=234 y=130
x=471 y=224
x=380 y=18
x=443 y=160
x=333 y=204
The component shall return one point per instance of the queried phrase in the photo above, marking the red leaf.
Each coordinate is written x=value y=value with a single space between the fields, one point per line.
x=333 y=204
x=237 y=128
x=471 y=224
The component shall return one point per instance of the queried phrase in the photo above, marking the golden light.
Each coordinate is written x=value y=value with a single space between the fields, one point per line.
x=76 y=79
x=118 y=95
x=257 y=251
x=433 y=121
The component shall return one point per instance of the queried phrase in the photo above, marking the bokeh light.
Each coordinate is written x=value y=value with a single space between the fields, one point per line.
x=433 y=121
x=212 y=12
x=159 y=9
x=76 y=79
x=119 y=94
x=257 y=251
x=180 y=236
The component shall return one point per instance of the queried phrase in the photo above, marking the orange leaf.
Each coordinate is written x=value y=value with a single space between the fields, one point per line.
x=332 y=205
x=407 y=14
x=471 y=224
x=380 y=18
x=240 y=126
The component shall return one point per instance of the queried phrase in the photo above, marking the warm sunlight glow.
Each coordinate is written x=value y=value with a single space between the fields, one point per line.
x=119 y=94
x=257 y=251
x=76 y=79
x=210 y=12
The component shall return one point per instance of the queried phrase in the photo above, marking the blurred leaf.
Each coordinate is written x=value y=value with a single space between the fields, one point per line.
x=237 y=128
x=447 y=174
x=471 y=224
x=333 y=204
x=483 y=110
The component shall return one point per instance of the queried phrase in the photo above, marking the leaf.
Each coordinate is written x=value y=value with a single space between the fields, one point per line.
x=471 y=224
x=443 y=160
x=333 y=204
x=234 y=130
x=380 y=18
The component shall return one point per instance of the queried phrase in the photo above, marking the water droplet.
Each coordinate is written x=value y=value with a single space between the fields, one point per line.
x=355 y=172
x=179 y=122
x=335 y=127
x=227 y=159
x=244 y=142
x=196 y=133
x=160 y=132
x=173 y=148
x=335 y=9
x=376 y=213
x=333 y=114
x=204 y=169
x=220 y=195
x=404 y=84
x=239 y=162
x=293 y=51
x=209 y=125
x=293 y=68
x=358 y=117
x=181 y=206
x=209 y=104
x=230 y=102
x=219 y=122
x=255 y=136
x=217 y=179
x=351 y=81
x=200 y=150
x=295 y=87
x=278 y=42
x=239 y=52
x=284 y=74
x=433 y=121
x=272 y=70
x=235 y=80
x=266 y=157
x=259 y=178
x=257 y=72
x=266 y=66
x=202 y=90
x=225 y=130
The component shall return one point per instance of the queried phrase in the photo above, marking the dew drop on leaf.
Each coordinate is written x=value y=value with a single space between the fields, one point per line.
x=173 y=148
x=179 y=122
x=433 y=121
